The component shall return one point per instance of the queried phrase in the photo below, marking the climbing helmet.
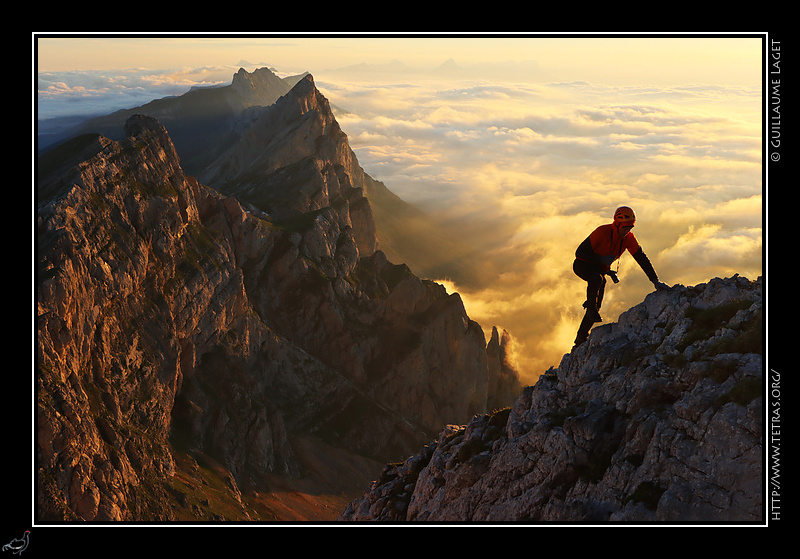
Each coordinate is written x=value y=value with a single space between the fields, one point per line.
x=624 y=217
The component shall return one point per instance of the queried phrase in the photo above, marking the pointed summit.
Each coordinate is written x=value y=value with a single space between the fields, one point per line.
x=261 y=87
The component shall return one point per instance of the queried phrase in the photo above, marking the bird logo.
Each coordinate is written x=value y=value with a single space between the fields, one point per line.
x=18 y=545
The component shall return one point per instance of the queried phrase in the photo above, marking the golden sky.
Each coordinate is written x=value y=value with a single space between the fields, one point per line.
x=618 y=60
x=533 y=141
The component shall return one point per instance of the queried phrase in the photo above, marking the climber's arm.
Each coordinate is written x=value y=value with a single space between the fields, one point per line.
x=647 y=267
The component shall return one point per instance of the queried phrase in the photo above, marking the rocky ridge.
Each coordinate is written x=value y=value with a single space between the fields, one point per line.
x=657 y=417
x=178 y=324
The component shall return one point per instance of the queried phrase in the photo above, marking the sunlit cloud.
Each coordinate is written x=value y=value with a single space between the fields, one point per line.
x=711 y=249
x=547 y=168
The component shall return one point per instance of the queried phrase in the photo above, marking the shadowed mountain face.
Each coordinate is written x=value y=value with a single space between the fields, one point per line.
x=230 y=323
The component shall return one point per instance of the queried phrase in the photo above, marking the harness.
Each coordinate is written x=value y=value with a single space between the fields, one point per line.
x=620 y=251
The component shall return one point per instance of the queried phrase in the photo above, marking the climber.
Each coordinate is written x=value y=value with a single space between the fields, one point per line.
x=593 y=260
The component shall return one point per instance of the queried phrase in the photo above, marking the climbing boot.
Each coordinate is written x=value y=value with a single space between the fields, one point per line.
x=580 y=338
x=592 y=313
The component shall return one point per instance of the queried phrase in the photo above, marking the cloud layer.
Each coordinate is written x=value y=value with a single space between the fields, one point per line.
x=526 y=171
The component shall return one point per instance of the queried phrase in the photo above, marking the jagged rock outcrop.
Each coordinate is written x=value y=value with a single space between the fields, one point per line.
x=170 y=314
x=657 y=417
x=504 y=384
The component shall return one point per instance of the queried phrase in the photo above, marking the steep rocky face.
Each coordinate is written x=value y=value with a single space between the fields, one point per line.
x=109 y=241
x=658 y=417
x=294 y=166
x=293 y=159
x=168 y=314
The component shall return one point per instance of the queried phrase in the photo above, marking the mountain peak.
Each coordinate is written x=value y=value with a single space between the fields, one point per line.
x=259 y=87
x=657 y=417
x=143 y=125
x=296 y=141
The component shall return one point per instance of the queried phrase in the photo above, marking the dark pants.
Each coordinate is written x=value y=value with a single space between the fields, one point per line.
x=595 y=282
x=595 y=287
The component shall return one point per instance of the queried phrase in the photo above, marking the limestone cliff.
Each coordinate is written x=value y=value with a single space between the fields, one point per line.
x=658 y=417
x=172 y=316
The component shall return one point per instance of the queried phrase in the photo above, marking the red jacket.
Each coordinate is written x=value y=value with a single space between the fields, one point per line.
x=605 y=241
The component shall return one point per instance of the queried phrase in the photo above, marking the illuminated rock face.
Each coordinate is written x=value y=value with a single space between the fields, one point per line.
x=655 y=418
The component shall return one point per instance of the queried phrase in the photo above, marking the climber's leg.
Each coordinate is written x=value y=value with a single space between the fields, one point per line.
x=595 y=288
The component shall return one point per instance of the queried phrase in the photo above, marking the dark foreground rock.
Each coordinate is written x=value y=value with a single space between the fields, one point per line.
x=657 y=417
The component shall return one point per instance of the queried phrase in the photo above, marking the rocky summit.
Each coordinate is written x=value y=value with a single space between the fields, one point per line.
x=656 y=418
x=195 y=351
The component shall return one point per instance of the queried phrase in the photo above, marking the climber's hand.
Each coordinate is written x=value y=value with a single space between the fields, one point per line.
x=660 y=286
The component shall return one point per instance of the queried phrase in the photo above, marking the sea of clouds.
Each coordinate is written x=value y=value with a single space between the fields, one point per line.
x=527 y=170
